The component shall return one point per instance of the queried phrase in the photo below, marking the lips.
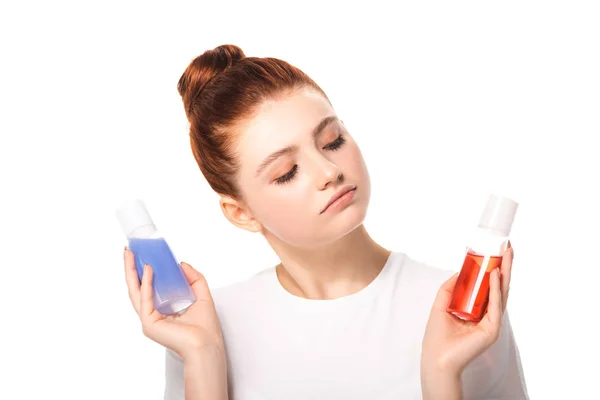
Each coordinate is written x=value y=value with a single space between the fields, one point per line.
x=345 y=189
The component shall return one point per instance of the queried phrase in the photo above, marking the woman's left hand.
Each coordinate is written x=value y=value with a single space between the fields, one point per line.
x=450 y=344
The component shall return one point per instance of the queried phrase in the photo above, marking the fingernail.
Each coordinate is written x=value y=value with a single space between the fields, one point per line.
x=509 y=245
x=125 y=248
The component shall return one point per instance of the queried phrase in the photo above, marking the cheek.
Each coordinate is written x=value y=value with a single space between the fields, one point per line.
x=352 y=161
x=285 y=202
x=286 y=212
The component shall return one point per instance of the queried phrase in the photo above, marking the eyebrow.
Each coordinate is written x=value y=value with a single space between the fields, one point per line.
x=289 y=149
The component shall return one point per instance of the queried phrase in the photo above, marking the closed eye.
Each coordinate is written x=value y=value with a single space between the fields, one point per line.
x=336 y=144
x=288 y=176
x=333 y=146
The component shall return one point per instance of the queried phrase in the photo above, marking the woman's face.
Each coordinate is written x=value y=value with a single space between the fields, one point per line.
x=295 y=154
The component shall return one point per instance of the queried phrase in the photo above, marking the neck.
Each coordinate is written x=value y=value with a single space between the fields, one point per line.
x=335 y=270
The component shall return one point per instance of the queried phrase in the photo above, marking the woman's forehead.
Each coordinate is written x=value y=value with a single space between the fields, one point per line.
x=282 y=122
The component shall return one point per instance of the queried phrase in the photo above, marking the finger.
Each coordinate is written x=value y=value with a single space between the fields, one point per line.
x=445 y=293
x=147 y=311
x=131 y=277
x=197 y=282
x=505 y=274
x=493 y=319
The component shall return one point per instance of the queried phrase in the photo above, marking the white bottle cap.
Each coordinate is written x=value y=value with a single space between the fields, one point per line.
x=133 y=215
x=499 y=214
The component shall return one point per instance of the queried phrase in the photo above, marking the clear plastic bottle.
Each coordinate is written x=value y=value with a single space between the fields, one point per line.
x=484 y=253
x=172 y=293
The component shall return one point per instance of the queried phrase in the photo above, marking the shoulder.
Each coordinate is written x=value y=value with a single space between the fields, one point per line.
x=421 y=270
x=242 y=296
x=245 y=287
x=418 y=276
x=414 y=284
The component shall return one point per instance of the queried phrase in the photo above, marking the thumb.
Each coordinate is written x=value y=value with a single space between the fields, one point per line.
x=445 y=293
x=197 y=282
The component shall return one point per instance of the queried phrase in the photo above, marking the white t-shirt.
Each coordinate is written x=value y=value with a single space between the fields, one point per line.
x=363 y=346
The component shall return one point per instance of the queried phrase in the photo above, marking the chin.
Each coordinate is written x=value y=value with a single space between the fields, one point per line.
x=345 y=223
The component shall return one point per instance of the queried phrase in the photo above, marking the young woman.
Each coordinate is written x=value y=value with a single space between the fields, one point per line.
x=340 y=317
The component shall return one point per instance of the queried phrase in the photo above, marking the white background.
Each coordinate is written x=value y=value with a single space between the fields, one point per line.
x=448 y=101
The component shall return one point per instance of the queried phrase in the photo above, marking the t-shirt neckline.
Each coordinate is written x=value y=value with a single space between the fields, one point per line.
x=366 y=292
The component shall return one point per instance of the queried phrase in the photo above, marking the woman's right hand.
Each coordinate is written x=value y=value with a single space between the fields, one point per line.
x=187 y=334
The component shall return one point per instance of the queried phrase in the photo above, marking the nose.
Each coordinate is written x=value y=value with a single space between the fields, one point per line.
x=326 y=172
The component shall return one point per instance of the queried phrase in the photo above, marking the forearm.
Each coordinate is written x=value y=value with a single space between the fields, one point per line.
x=439 y=385
x=205 y=376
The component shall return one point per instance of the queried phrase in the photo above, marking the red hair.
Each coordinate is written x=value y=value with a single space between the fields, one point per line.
x=220 y=89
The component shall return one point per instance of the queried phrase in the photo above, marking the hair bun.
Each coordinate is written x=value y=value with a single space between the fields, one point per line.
x=204 y=68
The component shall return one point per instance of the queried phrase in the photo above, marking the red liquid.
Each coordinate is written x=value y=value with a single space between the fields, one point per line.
x=471 y=292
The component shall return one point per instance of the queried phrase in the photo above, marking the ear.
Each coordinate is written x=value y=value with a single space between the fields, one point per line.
x=238 y=214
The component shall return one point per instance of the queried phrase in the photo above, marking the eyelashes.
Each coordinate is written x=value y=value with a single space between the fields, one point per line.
x=333 y=146
x=287 y=177
x=336 y=144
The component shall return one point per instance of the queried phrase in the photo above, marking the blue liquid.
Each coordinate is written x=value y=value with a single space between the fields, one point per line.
x=172 y=293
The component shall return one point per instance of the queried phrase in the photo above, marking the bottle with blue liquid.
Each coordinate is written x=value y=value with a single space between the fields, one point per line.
x=172 y=293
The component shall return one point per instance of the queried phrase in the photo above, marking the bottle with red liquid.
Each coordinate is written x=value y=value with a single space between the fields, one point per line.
x=484 y=253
